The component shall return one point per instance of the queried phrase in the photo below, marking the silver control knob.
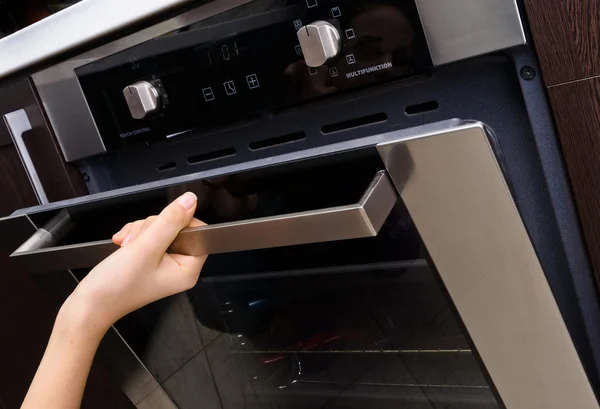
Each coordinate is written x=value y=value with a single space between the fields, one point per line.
x=320 y=42
x=142 y=99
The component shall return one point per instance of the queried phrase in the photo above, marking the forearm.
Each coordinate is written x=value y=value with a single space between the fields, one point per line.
x=60 y=379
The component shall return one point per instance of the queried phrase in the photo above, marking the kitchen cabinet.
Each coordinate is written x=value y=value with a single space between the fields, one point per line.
x=567 y=40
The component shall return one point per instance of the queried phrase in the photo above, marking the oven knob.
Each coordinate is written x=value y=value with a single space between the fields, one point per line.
x=320 y=42
x=142 y=99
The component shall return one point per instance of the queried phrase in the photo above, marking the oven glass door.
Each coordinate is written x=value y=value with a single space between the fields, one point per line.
x=372 y=335
x=395 y=272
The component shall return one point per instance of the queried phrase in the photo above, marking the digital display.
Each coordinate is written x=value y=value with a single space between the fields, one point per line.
x=247 y=64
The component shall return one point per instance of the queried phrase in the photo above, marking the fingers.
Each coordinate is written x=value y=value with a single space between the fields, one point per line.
x=131 y=231
x=118 y=237
x=161 y=231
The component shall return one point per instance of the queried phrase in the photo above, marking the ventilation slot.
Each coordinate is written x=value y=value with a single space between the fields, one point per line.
x=205 y=157
x=421 y=108
x=166 y=166
x=278 y=140
x=354 y=123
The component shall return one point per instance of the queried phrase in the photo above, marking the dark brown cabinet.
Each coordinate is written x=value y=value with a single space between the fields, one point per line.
x=567 y=40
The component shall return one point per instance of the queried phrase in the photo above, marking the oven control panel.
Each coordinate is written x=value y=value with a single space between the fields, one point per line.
x=250 y=63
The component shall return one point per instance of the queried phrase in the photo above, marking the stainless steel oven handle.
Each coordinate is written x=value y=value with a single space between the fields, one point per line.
x=362 y=219
x=18 y=123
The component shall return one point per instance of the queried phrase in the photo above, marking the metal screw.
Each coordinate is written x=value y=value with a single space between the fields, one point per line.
x=527 y=72
x=86 y=177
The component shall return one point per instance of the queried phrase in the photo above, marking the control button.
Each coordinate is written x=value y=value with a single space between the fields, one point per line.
x=333 y=72
x=252 y=81
x=311 y=3
x=142 y=99
x=208 y=93
x=229 y=88
x=297 y=24
x=350 y=33
x=313 y=71
x=320 y=42
x=336 y=12
x=350 y=59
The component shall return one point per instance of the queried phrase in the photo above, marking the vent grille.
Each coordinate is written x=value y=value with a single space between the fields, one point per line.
x=278 y=140
x=206 y=157
x=354 y=123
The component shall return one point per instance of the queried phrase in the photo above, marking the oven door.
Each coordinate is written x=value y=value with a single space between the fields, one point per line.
x=435 y=300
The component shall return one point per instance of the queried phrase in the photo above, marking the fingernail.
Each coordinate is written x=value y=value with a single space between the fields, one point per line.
x=119 y=233
x=188 y=200
x=126 y=241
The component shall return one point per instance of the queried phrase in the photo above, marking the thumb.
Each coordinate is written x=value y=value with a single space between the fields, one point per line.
x=159 y=235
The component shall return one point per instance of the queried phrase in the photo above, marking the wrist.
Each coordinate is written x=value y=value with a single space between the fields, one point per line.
x=78 y=319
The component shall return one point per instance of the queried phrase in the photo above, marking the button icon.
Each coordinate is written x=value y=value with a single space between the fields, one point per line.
x=298 y=24
x=225 y=52
x=298 y=49
x=350 y=33
x=229 y=88
x=135 y=63
x=333 y=72
x=312 y=70
x=208 y=94
x=311 y=3
x=336 y=12
x=252 y=81
x=350 y=59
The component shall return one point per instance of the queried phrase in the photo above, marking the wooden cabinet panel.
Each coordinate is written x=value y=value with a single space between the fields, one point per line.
x=576 y=109
x=567 y=38
x=15 y=189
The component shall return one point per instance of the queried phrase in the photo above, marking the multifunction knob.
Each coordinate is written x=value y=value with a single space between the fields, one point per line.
x=320 y=42
x=142 y=99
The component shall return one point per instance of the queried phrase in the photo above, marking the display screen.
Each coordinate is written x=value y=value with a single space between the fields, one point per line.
x=248 y=64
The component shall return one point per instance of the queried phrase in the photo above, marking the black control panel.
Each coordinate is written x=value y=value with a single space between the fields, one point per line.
x=250 y=63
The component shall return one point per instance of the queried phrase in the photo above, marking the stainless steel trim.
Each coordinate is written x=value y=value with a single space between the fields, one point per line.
x=459 y=29
x=61 y=94
x=79 y=24
x=460 y=202
x=362 y=219
x=18 y=123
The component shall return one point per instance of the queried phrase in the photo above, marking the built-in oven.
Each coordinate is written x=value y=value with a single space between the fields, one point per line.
x=388 y=219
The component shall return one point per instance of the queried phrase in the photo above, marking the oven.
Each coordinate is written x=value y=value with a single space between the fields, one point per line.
x=389 y=222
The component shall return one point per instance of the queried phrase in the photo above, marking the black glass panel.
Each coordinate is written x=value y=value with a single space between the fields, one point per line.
x=377 y=336
x=247 y=64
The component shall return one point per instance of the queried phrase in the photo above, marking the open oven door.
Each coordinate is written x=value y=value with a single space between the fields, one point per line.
x=451 y=181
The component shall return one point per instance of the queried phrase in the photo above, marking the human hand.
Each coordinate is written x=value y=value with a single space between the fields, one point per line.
x=141 y=271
